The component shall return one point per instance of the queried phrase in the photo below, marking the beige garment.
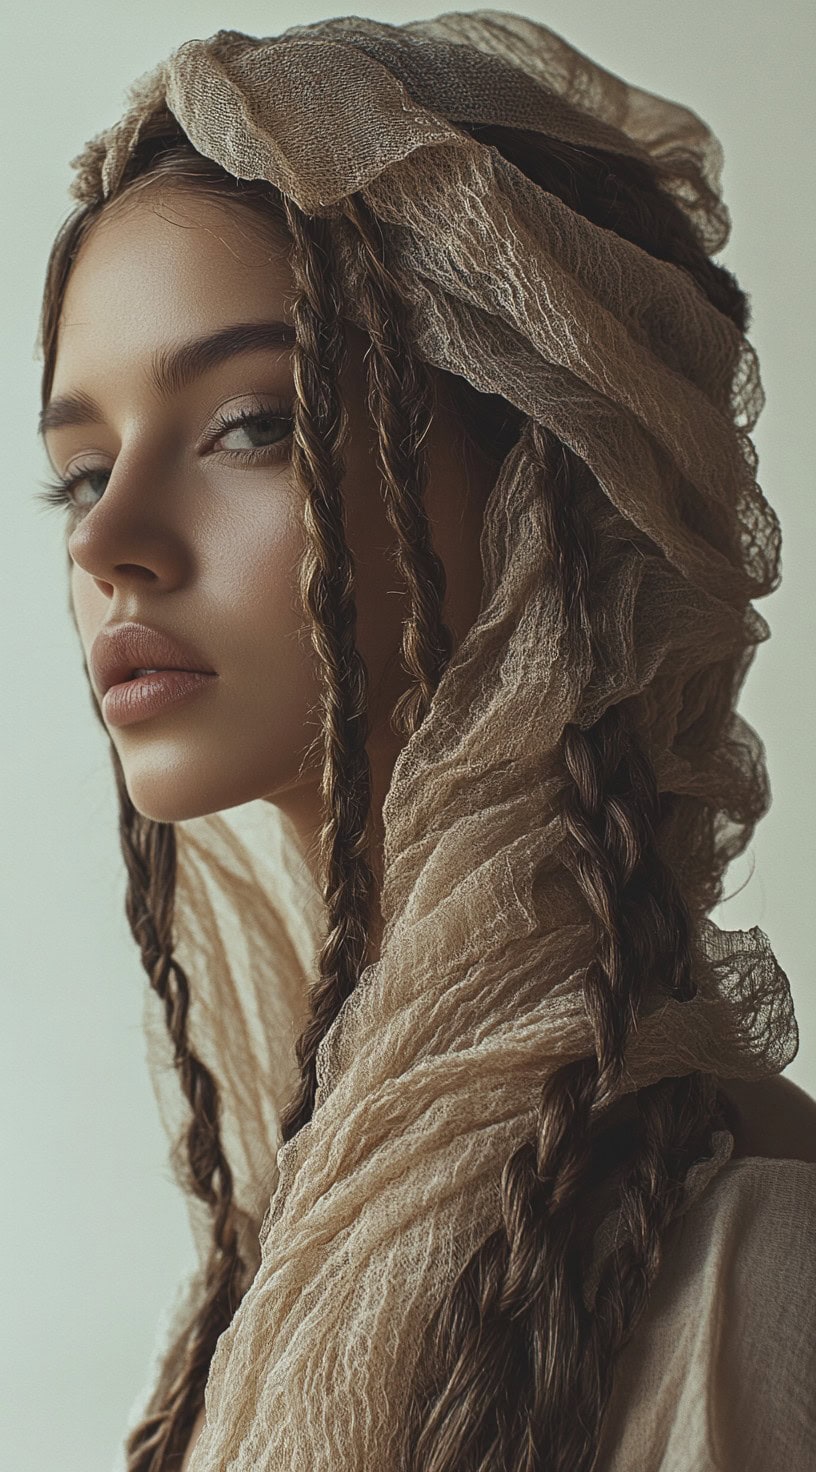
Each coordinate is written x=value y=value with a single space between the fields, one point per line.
x=430 y=1077
x=720 y=1374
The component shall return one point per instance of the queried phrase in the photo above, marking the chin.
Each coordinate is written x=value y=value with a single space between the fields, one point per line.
x=163 y=808
x=181 y=791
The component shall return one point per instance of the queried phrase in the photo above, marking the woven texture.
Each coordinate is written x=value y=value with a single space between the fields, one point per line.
x=430 y=1076
x=721 y=1370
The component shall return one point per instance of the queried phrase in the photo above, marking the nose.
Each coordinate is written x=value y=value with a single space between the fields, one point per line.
x=133 y=536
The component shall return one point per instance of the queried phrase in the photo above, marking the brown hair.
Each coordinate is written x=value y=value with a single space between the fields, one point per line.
x=518 y=1307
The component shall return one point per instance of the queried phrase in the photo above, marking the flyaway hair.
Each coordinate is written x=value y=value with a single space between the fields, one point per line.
x=429 y=1209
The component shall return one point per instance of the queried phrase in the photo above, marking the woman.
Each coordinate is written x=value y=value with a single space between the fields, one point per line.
x=421 y=848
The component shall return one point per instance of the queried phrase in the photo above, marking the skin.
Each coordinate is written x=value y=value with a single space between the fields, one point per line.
x=204 y=542
x=207 y=547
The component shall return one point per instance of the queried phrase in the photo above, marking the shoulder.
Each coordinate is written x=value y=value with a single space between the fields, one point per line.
x=753 y=1231
x=771 y=1117
x=721 y=1368
x=758 y=1295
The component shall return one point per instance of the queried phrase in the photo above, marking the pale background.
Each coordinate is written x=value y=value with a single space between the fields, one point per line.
x=95 y=1234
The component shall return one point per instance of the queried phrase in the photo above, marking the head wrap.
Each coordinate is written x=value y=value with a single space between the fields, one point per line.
x=429 y=1077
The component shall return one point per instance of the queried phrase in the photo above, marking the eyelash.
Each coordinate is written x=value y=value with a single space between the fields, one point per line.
x=58 y=492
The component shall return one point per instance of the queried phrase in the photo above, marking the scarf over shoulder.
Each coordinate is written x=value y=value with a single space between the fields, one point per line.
x=430 y=1075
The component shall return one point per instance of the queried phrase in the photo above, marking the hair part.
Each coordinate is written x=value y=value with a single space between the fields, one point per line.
x=518 y=1303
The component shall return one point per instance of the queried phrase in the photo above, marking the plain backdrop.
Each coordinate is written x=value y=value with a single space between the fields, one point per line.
x=95 y=1233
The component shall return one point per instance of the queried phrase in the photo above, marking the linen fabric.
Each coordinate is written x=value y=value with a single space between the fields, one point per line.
x=719 y=1375
x=430 y=1076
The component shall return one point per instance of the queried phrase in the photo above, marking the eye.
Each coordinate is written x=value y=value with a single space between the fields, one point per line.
x=60 y=492
x=263 y=422
x=273 y=429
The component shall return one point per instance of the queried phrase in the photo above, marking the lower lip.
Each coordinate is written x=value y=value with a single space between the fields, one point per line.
x=135 y=700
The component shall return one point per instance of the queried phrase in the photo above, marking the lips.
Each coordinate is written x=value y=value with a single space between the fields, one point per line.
x=120 y=649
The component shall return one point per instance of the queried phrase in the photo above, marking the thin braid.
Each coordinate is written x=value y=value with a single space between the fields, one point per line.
x=149 y=851
x=611 y=816
x=400 y=398
x=678 y=1116
x=524 y=1371
x=327 y=588
x=514 y=1328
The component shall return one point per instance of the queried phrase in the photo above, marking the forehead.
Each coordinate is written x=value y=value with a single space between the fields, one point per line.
x=168 y=264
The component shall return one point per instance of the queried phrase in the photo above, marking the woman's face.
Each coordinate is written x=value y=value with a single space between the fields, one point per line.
x=201 y=537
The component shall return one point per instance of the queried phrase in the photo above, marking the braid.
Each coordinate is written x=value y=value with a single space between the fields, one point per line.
x=149 y=850
x=518 y=1306
x=400 y=404
x=399 y=401
x=327 y=587
x=519 y=1372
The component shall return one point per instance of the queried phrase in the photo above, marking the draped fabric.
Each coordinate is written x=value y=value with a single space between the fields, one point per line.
x=429 y=1077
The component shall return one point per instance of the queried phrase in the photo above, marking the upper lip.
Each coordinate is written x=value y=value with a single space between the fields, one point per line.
x=120 y=649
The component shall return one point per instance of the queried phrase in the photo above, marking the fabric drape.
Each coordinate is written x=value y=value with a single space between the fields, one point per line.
x=430 y=1076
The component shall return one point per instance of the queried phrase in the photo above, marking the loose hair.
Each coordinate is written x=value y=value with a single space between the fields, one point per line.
x=523 y=1371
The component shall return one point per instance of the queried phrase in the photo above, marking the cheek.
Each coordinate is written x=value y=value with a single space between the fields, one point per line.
x=249 y=598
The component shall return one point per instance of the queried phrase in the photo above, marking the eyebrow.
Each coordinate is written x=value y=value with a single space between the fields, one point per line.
x=172 y=369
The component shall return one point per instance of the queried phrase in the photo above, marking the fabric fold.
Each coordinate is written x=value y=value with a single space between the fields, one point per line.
x=429 y=1077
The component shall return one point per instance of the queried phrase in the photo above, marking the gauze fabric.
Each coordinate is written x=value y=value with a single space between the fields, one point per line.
x=429 y=1078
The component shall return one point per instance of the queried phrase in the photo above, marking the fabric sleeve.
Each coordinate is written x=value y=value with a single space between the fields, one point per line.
x=762 y=1394
x=720 y=1373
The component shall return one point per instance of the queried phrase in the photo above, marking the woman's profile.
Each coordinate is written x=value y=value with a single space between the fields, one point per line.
x=401 y=423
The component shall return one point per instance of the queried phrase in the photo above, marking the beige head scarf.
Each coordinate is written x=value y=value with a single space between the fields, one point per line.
x=430 y=1075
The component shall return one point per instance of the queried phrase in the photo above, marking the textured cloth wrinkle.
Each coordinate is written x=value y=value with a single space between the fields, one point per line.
x=430 y=1076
